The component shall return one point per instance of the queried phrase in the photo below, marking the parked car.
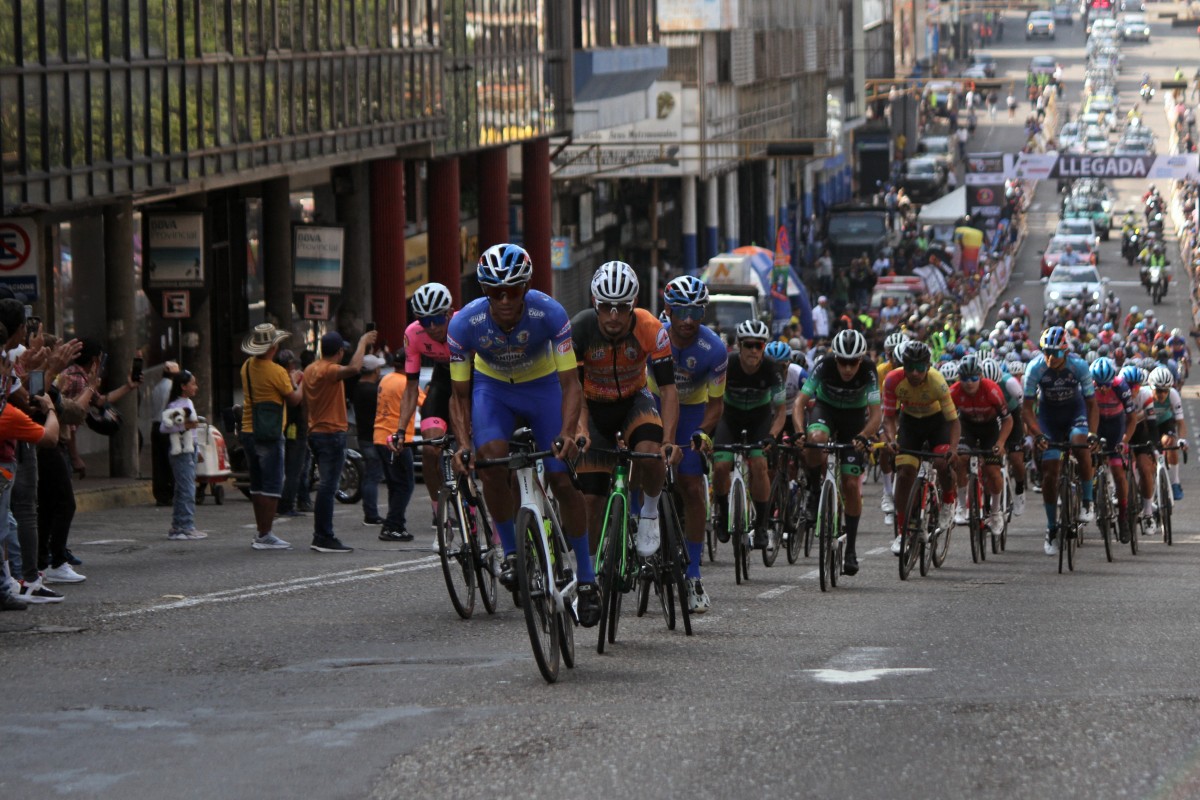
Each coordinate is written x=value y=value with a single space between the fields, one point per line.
x=1039 y=25
x=1135 y=27
x=940 y=148
x=985 y=60
x=1079 y=232
x=1066 y=283
x=924 y=179
x=1062 y=13
x=1043 y=65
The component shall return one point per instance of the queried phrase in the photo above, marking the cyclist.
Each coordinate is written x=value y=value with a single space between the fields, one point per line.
x=700 y=361
x=425 y=338
x=844 y=388
x=794 y=376
x=1061 y=385
x=1118 y=420
x=986 y=423
x=1178 y=347
x=511 y=358
x=917 y=408
x=1001 y=373
x=1143 y=440
x=753 y=403
x=615 y=342
x=1172 y=427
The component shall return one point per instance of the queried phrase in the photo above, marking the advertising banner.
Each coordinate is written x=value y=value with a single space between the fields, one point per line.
x=1039 y=166
x=984 y=178
x=174 y=251
x=317 y=258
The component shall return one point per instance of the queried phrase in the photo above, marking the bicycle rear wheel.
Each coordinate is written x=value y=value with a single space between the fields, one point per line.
x=825 y=535
x=454 y=551
x=675 y=558
x=910 y=535
x=939 y=540
x=974 y=532
x=737 y=517
x=563 y=575
x=533 y=580
x=776 y=511
x=609 y=567
x=1165 y=502
x=1105 y=513
x=1066 y=521
x=486 y=554
x=794 y=523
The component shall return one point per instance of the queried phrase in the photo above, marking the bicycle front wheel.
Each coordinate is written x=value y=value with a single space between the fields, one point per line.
x=610 y=568
x=825 y=535
x=1165 y=502
x=938 y=540
x=794 y=524
x=974 y=520
x=534 y=577
x=911 y=534
x=454 y=551
x=485 y=553
x=776 y=512
x=737 y=528
x=674 y=566
x=1106 y=520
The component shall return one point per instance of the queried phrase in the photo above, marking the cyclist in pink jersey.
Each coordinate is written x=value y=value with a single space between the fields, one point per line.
x=426 y=339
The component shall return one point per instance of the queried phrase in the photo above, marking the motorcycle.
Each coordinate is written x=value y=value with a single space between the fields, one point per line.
x=1129 y=247
x=1155 y=280
x=1147 y=92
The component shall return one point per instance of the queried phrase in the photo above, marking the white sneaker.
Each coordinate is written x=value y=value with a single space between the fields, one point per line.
x=995 y=521
x=62 y=574
x=37 y=592
x=647 y=536
x=698 y=601
x=961 y=516
x=887 y=504
x=896 y=546
x=947 y=518
x=1050 y=547
x=1149 y=528
x=1087 y=513
x=1018 y=504
x=270 y=541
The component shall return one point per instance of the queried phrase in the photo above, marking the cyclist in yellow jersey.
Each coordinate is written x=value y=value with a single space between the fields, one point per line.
x=919 y=414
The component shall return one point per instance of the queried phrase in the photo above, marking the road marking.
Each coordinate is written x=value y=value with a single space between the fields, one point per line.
x=878 y=551
x=109 y=541
x=283 y=587
x=861 y=675
x=771 y=594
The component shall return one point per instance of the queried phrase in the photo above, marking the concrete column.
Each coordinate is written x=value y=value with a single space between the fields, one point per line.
x=353 y=198
x=387 y=248
x=771 y=205
x=690 y=264
x=445 y=258
x=122 y=328
x=713 y=216
x=87 y=277
x=492 y=187
x=535 y=190
x=732 y=237
x=277 y=252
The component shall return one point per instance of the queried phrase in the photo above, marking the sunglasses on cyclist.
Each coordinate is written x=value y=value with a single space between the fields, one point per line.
x=922 y=366
x=494 y=293
x=684 y=313
x=1054 y=353
x=753 y=345
x=970 y=378
x=614 y=308
x=848 y=362
x=436 y=319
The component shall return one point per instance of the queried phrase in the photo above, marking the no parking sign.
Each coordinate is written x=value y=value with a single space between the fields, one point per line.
x=20 y=255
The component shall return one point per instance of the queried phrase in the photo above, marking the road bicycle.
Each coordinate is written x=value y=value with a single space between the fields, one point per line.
x=978 y=531
x=1009 y=484
x=1069 y=502
x=1133 y=511
x=665 y=572
x=1108 y=511
x=469 y=558
x=784 y=509
x=617 y=563
x=546 y=584
x=831 y=515
x=1164 y=499
x=922 y=540
x=740 y=519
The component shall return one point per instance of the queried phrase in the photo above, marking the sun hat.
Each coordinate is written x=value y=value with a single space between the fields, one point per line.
x=262 y=339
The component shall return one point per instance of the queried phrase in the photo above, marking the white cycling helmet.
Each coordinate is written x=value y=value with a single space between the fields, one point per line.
x=1161 y=378
x=504 y=265
x=949 y=370
x=686 y=290
x=753 y=329
x=849 y=345
x=431 y=299
x=615 y=282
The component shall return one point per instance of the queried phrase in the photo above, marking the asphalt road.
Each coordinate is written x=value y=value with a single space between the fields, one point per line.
x=205 y=669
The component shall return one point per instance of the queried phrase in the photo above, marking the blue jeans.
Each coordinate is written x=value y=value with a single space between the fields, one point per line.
x=183 y=515
x=329 y=449
x=399 y=473
x=372 y=475
x=8 y=523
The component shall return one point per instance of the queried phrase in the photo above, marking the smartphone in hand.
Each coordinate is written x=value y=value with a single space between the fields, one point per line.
x=136 y=372
x=37 y=382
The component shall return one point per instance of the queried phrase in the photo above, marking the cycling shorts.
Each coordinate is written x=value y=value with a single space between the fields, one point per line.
x=1112 y=430
x=435 y=411
x=1166 y=428
x=930 y=434
x=756 y=423
x=635 y=418
x=690 y=417
x=496 y=407
x=842 y=425
x=1145 y=434
x=981 y=437
x=1061 y=423
x=1016 y=437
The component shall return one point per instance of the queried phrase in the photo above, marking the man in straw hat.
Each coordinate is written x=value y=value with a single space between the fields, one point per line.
x=264 y=381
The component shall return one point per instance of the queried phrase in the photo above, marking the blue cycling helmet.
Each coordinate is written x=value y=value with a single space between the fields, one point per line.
x=1053 y=338
x=1134 y=376
x=779 y=352
x=504 y=265
x=686 y=290
x=1104 y=371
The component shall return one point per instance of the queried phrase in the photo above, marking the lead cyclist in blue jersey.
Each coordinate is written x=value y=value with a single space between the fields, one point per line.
x=516 y=344
x=1061 y=385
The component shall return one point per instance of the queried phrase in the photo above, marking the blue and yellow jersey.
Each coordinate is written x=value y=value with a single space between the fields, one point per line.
x=538 y=346
x=699 y=368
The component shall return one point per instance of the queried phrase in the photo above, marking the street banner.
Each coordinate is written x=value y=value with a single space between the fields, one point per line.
x=174 y=251
x=984 y=179
x=317 y=258
x=1040 y=166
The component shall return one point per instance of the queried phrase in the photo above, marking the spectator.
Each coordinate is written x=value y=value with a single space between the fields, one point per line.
x=325 y=393
x=179 y=423
x=162 y=481
x=79 y=383
x=396 y=460
x=825 y=272
x=264 y=383
x=296 y=458
x=365 y=398
x=822 y=318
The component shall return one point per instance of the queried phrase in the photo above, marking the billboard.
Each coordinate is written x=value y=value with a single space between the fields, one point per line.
x=697 y=15
x=174 y=251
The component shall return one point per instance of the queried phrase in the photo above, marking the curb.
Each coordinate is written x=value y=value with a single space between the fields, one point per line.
x=104 y=498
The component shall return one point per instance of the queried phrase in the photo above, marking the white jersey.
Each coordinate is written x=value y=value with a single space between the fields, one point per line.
x=792 y=383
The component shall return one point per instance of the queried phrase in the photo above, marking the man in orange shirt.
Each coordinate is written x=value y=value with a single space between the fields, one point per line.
x=325 y=393
x=397 y=459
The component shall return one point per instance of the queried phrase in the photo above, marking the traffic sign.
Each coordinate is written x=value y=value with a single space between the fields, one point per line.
x=316 y=306
x=17 y=238
x=177 y=303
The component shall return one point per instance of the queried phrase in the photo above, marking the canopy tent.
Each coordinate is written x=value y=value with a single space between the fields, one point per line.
x=756 y=267
x=946 y=210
